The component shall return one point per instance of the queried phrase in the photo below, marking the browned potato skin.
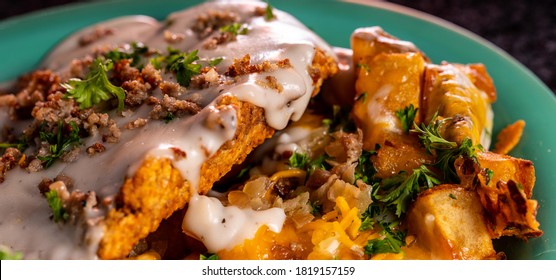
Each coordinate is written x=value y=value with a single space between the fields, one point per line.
x=506 y=168
x=458 y=229
x=392 y=82
x=506 y=197
x=448 y=92
x=368 y=42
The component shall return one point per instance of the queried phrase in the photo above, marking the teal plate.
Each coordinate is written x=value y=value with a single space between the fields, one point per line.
x=521 y=95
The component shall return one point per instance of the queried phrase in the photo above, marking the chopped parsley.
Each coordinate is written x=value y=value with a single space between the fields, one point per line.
x=407 y=117
x=430 y=136
x=21 y=144
x=60 y=142
x=316 y=208
x=446 y=151
x=7 y=254
x=268 y=12
x=208 y=257
x=57 y=206
x=391 y=242
x=365 y=169
x=215 y=61
x=137 y=50
x=95 y=87
x=169 y=117
x=304 y=162
x=299 y=160
x=452 y=196
x=235 y=29
x=398 y=191
x=490 y=174
x=183 y=64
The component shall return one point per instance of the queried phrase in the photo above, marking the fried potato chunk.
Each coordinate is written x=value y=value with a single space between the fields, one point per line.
x=505 y=189
x=448 y=223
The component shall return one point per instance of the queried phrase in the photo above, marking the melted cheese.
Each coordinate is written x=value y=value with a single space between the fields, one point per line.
x=221 y=228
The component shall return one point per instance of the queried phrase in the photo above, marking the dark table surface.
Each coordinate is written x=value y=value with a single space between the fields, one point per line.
x=525 y=29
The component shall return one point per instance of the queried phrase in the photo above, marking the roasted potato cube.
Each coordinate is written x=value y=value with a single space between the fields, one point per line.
x=448 y=221
x=367 y=42
x=387 y=84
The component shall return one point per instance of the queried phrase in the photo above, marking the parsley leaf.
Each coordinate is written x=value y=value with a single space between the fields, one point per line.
x=391 y=242
x=446 y=151
x=365 y=169
x=235 y=29
x=59 y=142
x=445 y=158
x=399 y=192
x=316 y=208
x=407 y=117
x=268 y=13
x=430 y=136
x=57 y=206
x=208 y=257
x=95 y=88
x=490 y=174
x=304 y=162
x=298 y=160
x=20 y=145
x=137 y=48
x=7 y=254
x=183 y=65
x=215 y=61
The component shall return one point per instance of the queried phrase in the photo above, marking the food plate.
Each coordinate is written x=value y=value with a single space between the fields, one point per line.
x=521 y=95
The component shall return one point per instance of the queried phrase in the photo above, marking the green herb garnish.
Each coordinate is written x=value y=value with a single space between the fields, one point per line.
x=399 y=192
x=7 y=254
x=391 y=242
x=95 y=87
x=446 y=151
x=299 y=160
x=57 y=206
x=268 y=12
x=490 y=174
x=183 y=64
x=235 y=29
x=208 y=257
x=59 y=142
x=215 y=61
x=407 y=117
x=137 y=50
x=365 y=169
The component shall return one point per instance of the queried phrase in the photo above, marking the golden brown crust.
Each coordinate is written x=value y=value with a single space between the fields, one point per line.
x=157 y=189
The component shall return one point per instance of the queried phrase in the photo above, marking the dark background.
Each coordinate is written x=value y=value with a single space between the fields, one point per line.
x=525 y=29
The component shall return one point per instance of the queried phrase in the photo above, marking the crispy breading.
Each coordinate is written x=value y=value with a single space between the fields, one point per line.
x=157 y=189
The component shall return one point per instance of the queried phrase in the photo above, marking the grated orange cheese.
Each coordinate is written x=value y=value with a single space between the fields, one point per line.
x=335 y=235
